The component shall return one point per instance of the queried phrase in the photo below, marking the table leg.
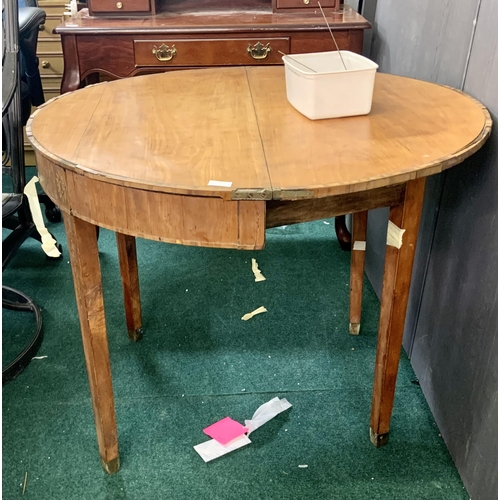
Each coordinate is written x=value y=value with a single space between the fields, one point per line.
x=395 y=291
x=84 y=256
x=130 y=280
x=359 y=223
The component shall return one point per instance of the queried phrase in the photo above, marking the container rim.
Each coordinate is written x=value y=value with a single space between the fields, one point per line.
x=295 y=63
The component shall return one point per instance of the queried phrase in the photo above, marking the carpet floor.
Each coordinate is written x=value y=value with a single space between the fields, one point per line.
x=199 y=362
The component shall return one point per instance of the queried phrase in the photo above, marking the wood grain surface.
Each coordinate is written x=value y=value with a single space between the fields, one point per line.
x=396 y=287
x=181 y=19
x=175 y=132
x=414 y=129
x=82 y=243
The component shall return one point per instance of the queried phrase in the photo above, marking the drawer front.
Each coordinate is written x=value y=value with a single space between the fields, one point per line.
x=119 y=6
x=46 y=29
x=52 y=82
x=210 y=52
x=49 y=46
x=299 y=4
x=50 y=93
x=52 y=8
x=50 y=65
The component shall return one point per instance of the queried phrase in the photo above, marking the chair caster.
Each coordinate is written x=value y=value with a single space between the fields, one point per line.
x=53 y=214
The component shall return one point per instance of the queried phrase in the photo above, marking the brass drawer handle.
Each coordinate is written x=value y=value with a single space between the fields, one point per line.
x=164 y=53
x=306 y=2
x=45 y=64
x=259 y=51
x=119 y=5
x=41 y=27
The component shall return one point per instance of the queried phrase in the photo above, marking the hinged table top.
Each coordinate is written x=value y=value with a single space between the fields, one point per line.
x=177 y=131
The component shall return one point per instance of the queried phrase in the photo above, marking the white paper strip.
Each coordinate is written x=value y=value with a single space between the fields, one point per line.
x=256 y=271
x=48 y=243
x=394 y=235
x=220 y=183
x=359 y=245
x=249 y=315
x=266 y=412
x=213 y=449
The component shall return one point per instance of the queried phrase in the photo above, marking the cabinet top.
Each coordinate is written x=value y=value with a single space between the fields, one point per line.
x=216 y=21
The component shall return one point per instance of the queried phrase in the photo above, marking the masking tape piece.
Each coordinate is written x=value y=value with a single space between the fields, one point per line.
x=48 y=243
x=266 y=412
x=394 y=235
x=220 y=183
x=249 y=315
x=209 y=450
x=359 y=245
x=257 y=272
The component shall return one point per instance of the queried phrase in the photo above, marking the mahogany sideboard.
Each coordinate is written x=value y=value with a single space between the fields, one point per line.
x=190 y=34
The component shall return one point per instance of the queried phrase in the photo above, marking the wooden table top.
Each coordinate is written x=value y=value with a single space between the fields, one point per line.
x=175 y=132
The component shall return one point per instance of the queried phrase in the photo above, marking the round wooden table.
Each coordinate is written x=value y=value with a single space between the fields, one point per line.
x=214 y=157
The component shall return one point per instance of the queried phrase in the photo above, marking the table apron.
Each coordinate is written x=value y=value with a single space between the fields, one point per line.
x=182 y=219
x=195 y=220
x=283 y=212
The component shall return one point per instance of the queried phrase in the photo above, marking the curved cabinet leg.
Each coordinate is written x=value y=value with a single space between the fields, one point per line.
x=359 y=223
x=395 y=291
x=127 y=254
x=84 y=256
x=343 y=234
x=71 y=77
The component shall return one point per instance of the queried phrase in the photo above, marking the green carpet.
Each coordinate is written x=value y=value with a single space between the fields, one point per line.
x=197 y=363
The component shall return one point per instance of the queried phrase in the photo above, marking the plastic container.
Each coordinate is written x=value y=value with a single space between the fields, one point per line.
x=327 y=89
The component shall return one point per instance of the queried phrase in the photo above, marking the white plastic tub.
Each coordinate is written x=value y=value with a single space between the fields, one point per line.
x=329 y=91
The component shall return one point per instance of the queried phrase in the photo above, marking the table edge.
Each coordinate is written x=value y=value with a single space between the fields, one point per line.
x=298 y=192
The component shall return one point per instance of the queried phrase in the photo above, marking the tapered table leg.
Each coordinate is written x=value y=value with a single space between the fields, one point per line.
x=359 y=223
x=84 y=256
x=395 y=290
x=130 y=280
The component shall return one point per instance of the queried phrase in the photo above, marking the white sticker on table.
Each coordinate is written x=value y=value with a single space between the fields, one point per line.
x=225 y=184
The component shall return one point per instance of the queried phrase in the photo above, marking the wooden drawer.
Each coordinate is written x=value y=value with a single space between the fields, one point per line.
x=52 y=9
x=50 y=82
x=50 y=93
x=307 y=4
x=50 y=64
x=119 y=6
x=210 y=52
x=49 y=46
x=48 y=27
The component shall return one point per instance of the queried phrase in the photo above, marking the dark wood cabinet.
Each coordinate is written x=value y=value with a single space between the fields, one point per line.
x=123 y=6
x=281 y=5
x=118 y=42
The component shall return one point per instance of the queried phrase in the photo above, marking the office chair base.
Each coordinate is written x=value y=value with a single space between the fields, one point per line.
x=52 y=212
x=18 y=301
